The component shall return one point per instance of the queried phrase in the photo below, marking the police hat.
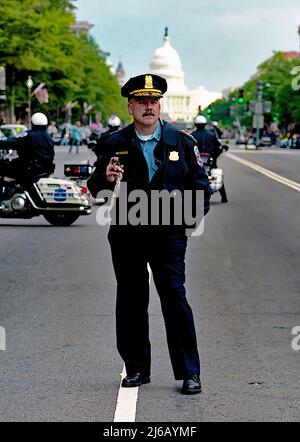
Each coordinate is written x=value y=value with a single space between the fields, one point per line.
x=146 y=85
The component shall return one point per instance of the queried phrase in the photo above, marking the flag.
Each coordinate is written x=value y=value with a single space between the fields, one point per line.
x=41 y=93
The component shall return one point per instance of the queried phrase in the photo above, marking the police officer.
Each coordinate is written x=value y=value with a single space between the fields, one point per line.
x=95 y=143
x=153 y=155
x=113 y=123
x=208 y=142
x=35 y=153
x=215 y=128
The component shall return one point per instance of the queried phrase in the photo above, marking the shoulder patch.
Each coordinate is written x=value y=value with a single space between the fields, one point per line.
x=189 y=136
x=198 y=156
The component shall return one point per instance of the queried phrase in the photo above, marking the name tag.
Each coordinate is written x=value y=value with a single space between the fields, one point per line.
x=124 y=152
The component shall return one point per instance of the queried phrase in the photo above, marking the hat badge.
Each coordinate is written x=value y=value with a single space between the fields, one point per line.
x=148 y=82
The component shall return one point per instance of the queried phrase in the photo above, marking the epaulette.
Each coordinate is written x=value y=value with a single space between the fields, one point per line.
x=189 y=136
x=106 y=135
x=111 y=133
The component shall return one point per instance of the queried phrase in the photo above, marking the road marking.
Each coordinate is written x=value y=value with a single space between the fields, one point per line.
x=267 y=152
x=127 y=397
x=280 y=179
x=126 y=403
x=2 y=339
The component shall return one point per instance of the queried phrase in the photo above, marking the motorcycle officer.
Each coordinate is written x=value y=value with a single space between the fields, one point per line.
x=215 y=128
x=114 y=124
x=35 y=153
x=208 y=142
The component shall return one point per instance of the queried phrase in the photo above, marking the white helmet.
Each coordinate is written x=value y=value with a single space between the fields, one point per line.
x=114 y=121
x=39 y=119
x=200 y=120
x=215 y=123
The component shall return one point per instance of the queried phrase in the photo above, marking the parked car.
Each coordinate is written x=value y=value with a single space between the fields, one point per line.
x=265 y=141
x=14 y=130
x=2 y=136
x=240 y=139
x=295 y=141
x=284 y=143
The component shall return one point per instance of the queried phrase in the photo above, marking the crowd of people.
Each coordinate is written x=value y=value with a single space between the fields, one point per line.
x=75 y=135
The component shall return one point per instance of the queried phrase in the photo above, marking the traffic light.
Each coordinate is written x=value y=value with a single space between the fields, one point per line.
x=209 y=111
x=241 y=96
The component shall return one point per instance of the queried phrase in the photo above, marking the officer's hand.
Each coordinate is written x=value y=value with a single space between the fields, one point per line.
x=114 y=170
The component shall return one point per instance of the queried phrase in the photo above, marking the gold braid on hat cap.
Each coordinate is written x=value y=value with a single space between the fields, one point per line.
x=146 y=92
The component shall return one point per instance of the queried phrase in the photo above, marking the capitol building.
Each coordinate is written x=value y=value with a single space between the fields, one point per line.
x=179 y=105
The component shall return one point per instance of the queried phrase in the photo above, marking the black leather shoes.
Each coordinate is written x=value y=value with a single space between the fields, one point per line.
x=191 y=385
x=135 y=380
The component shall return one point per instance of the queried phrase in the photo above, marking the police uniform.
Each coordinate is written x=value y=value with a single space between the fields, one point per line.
x=36 y=156
x=177 y=166
x=208 y=142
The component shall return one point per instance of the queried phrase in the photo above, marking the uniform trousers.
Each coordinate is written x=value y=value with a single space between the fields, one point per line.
x=165 y=252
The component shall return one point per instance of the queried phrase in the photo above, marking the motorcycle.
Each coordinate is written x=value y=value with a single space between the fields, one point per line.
x=215 y=175
x=61 y=202
x=79 y=173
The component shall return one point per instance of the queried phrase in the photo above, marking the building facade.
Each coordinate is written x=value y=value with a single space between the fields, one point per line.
x=179 y=105
x=120 y=74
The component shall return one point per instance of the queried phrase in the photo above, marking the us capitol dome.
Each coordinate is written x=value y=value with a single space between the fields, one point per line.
x=179 y=105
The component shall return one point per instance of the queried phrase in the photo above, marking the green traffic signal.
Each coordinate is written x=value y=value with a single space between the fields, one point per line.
x=241 y=96
x=209 y=110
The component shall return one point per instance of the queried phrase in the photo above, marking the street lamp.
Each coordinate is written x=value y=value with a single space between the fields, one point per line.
x=29 y=84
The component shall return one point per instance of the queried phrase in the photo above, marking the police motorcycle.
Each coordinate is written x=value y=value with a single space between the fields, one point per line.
x=61 y=202
x=215 y=175
x=79 y=173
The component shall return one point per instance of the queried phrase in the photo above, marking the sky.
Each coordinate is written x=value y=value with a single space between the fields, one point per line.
x=220 y=42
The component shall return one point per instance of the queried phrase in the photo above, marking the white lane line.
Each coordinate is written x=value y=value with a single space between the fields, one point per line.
x=280 y=179
x=150 y=273
x=265 y=152
x=127 y=397
x=126 y=403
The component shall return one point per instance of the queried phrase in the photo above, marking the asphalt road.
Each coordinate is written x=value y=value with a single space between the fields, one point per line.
x=57 y=306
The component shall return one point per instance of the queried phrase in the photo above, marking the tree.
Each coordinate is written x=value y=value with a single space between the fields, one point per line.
x=276 y=74
x=36 y=39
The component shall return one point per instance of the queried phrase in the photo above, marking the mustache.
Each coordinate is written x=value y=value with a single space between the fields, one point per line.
x=148 y=114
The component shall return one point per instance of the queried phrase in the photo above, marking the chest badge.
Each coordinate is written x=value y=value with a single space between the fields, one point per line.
x=174 y=156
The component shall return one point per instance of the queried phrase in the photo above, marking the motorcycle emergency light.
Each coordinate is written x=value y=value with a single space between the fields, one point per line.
x=78 y=170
